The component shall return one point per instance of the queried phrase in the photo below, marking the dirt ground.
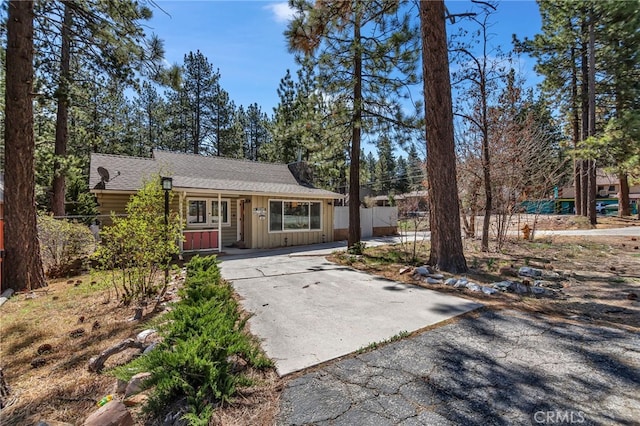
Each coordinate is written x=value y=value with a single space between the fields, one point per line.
x=598 y=277
x=44 y=355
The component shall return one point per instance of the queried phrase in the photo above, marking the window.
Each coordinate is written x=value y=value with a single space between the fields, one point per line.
x=197 y=213
x=225 y=212
x=294 y=215
x=204 y=212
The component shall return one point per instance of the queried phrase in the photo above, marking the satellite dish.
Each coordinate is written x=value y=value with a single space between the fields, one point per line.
x=104 y=174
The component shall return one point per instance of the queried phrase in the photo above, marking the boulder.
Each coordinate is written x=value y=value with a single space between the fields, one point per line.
x=144 y=335
x=113 y=413
x=504 y=285
x=120 y=386
x=422 y=270
x=451 y=281
x=473 y=287
x=135 y=384
x=133 y=400
x=526 y=271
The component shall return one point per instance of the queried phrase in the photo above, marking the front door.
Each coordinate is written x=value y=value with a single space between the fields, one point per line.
x=241 y=220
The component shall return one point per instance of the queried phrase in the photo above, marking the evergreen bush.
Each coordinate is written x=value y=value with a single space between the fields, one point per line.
x=202 y=332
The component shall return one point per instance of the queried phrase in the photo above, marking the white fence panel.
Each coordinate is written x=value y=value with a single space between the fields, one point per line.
x=341 y=218
x=366 y=223
x=376 y=217
x=385 y=216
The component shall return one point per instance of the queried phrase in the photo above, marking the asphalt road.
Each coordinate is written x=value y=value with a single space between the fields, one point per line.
x=505 y=368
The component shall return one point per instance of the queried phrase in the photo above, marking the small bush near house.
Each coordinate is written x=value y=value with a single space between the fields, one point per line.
x=202 y=335
x=63 y=245
x=136 y=248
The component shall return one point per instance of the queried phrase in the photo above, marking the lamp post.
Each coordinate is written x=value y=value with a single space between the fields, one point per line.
x=167 y=185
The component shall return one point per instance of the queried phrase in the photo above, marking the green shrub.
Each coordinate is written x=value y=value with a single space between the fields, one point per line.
x=203 y=331
x=357 y=248
x=63 y=245
x=137 y=247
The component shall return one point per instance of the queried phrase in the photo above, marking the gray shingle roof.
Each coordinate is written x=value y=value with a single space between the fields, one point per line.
x=191 y=171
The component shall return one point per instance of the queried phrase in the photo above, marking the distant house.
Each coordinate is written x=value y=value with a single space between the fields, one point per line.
x=223 y=202
x=607 y=191
x=607 y=186
x=417 y=196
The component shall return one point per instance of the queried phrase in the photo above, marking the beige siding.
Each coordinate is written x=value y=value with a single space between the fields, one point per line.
x=111 y=203
x=257 y=233
x=262 y=238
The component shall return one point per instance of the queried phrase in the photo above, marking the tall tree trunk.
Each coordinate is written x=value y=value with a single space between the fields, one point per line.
x=446 y=241
x=623 y=196
x=584 y=168
x=23 y=263
x=354 y=168
x=575 y=121
x=592 y=120
x=486 y=163
x=62 y=116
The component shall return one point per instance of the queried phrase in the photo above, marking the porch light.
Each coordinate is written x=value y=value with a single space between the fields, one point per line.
x=167 y=183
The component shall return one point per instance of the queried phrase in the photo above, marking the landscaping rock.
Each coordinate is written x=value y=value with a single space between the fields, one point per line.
x=430 y=280
x=526 y=271
x=537 y=290
x=451 y=281
x=134 y=400
x=52 y=423
x=550 y=275
x=422 y=270
x=135 y=384
x=404 y=270
x=113 y=413
x=143 y=335
x=519 y=288
x=462 y=283
x=149 y=348
x=437 y=276
x=120 y=386
x=473 y=287
x=504 y=285
x=489 y=290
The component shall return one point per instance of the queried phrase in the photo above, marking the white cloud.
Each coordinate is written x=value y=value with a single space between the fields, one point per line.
x=282 y=13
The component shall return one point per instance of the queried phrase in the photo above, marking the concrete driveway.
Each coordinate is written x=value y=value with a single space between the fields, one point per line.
x=307 y=310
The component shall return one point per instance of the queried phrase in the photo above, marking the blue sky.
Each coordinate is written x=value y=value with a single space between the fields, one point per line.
x=245 y=40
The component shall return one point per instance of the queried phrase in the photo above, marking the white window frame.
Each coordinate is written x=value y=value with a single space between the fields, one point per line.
x=211 y=219
x=282 y=201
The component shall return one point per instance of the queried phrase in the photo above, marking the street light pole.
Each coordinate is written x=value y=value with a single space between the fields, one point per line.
x=167 y=185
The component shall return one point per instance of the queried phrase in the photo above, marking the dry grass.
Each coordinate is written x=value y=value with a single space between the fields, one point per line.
x=61 y=389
